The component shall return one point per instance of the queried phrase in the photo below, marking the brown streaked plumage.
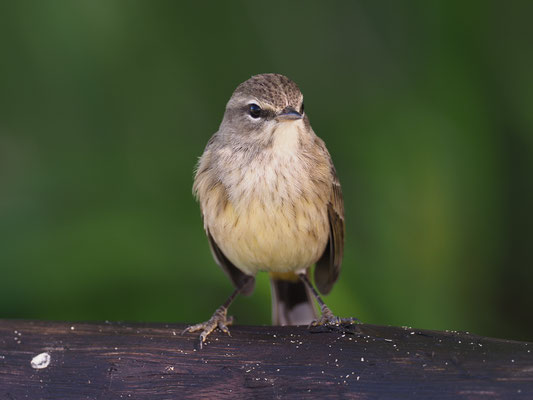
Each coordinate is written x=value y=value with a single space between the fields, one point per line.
x=271 y=201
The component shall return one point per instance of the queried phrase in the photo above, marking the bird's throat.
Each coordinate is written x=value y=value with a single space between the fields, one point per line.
x=286 y=137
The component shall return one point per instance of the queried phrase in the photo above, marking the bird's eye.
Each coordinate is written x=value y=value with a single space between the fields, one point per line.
x=254 y=110
x=302 y=108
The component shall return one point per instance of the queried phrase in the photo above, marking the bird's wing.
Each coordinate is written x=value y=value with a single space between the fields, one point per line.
x=205 y=184
x=328 y=267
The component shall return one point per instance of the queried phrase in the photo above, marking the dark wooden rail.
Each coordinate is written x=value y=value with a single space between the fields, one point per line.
x=153 y=361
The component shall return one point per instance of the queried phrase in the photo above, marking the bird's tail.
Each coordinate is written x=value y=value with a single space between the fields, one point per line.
x=292 y=303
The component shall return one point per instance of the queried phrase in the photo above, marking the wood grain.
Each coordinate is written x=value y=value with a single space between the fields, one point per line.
x=153 y=361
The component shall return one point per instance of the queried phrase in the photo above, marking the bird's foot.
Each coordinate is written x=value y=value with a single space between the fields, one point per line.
x=330 y=322
x=219 y=320
x=328 y=318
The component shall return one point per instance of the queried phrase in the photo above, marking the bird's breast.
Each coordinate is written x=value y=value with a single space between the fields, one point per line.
x=275 y=217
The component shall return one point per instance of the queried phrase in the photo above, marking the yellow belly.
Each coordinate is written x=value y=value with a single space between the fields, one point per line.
x=277 y=238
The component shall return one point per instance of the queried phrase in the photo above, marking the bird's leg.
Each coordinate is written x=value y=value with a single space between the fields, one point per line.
x=219 y=320
x=327 y=317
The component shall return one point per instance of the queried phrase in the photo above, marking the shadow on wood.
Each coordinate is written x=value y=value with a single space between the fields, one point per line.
x=153 y=361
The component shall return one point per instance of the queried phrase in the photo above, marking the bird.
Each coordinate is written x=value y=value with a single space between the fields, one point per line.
x=271 y=201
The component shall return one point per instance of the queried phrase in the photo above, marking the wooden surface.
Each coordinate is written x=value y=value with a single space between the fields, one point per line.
x=141 y=361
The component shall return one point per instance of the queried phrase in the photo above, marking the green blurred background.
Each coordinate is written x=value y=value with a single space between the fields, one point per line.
x=426 y=108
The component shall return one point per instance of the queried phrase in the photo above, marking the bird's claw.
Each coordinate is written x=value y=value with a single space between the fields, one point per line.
x=329 y=319
x=218 y=320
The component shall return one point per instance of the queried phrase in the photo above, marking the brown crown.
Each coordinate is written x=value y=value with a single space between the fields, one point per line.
x=274 y=89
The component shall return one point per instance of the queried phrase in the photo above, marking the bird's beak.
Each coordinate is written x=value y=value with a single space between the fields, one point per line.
x=288 y=114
